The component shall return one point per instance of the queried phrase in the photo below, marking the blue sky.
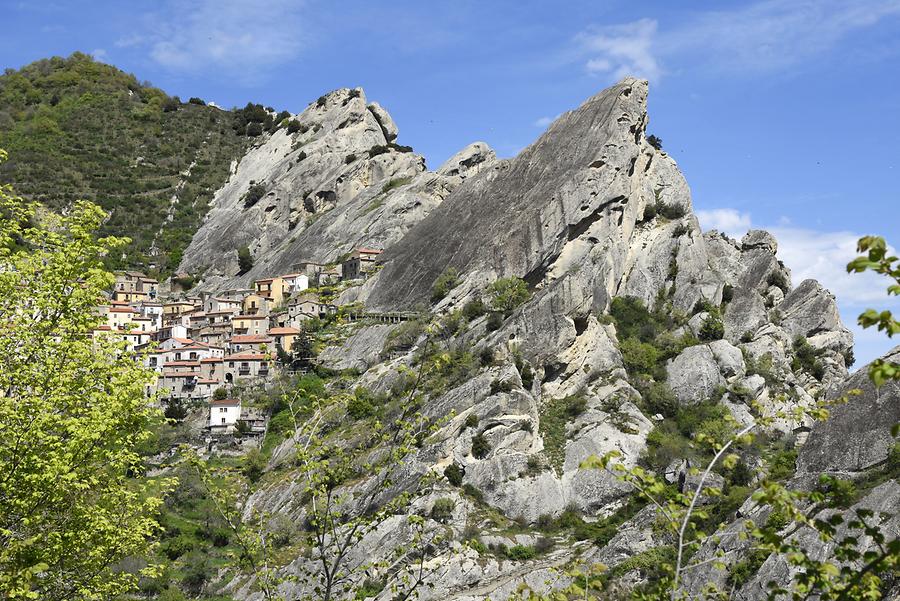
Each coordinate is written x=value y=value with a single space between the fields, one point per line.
x=782 y=114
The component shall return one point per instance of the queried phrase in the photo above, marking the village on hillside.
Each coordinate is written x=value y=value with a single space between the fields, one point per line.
x=207 y=347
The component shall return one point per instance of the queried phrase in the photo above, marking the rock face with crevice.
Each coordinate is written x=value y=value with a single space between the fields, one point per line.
x=587 y=213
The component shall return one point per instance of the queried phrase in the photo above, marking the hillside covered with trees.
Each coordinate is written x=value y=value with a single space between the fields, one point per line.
x=77 y=129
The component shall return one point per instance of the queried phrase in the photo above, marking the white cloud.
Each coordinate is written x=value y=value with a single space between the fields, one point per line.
x=774 y=34
x=824 y=256
x=730 y=221
x=100 y=54
x=227 y=36
x=761 y=37
x=621 y=50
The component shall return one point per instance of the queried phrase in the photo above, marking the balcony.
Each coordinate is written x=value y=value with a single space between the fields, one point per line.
x=244 y=371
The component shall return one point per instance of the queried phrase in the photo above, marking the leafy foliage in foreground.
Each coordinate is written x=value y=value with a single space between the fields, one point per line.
x=80 y=129
x=72 y=415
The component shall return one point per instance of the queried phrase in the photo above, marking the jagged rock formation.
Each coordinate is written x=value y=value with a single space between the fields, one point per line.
x=856 y=438
x=336 y=183
x=589 y=212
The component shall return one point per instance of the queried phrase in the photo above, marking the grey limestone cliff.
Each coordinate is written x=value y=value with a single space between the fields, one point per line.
x=589 y=212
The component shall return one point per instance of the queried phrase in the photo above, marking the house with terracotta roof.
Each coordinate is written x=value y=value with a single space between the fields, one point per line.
x=174 y=308
x=144 y=324
x=197 y=319
x=117 y=316
x=181 y=366
x=284 y=337
x=258 y=343
x=151 y=310
x=182 y=385
x=130 y=296
x=215 y=304
x=215 y=318
x=135 y=338
x=213 y=335
x=256 y=304
x=310 y=269
x=166 y=333
x=135 y=282
x=305 y=306
x=295 y=282
x=175 y=352
x=150 y=286
x=360 y=263
x=213 y=368
x=128 y=281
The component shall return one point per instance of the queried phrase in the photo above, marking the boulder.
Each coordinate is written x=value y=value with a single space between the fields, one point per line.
x=759 y=239
x=694 y=375
x=857 y=435
x=388 y=127
x=728 y=357
x=746 y=313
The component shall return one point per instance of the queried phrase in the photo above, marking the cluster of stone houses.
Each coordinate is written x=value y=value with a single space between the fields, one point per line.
x=199 y=344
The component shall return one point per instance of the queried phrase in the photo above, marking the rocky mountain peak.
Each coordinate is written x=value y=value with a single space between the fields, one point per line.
x=518 y=217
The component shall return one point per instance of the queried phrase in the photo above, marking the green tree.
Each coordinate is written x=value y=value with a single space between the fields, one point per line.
x=712 y=328
x=72 y=414
x=508 y=293
x=446 y=282
x=245 y=259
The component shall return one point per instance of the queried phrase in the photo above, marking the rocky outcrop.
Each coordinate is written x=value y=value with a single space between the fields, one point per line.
x=337 y=183
x=811 y=311
x=857 y=435
x=589 y=212
x=694 y=375
x=574 y=197
x=359 y=352
x=853 y=441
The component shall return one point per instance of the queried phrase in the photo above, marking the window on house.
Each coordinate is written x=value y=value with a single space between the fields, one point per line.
x=223 y=420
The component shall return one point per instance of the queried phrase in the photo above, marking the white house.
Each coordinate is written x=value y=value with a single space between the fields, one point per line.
x=224 y=414
x=152 y=311
x=295 y=282
x=216 y=304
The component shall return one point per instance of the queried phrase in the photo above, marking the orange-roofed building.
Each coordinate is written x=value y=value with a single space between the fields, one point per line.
x=284 y=337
